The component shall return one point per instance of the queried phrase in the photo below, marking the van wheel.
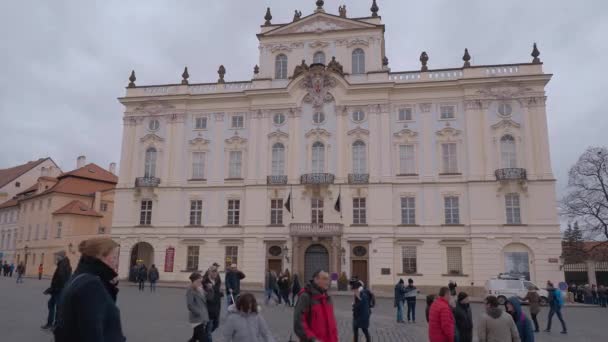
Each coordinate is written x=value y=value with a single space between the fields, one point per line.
x=502 y=300
x=544 y=301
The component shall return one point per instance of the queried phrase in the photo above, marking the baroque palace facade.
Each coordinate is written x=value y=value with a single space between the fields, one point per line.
x=328 y=159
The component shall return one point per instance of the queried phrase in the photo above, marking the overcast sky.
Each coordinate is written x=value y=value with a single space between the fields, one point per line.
x=64 y=63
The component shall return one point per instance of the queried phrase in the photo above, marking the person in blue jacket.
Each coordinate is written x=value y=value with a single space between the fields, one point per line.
x=361 y=310
x=523 y=323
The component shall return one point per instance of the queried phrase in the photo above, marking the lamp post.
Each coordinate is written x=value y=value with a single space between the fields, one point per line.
x=286 y=253
x=343 y=254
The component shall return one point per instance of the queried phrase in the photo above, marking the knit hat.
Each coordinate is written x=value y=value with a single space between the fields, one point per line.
x=410 y=281
x=462 y=296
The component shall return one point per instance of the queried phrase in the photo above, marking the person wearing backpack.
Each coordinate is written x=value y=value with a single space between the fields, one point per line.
x=523 y=323
x=361 y=310
x=313 y=318
x=555 y=307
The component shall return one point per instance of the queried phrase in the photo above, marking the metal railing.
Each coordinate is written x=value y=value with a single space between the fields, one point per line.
x=147 y=182
x=511 y=174
x=358 y=178
x=276 y=180
x=315 y=229
x=317 y=178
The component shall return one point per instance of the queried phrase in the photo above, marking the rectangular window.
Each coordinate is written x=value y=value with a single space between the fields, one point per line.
x=232 y=256
x=513 y=209
x=46 y=231
x=450 y=161
x=447 y=112
x=359 y=211
x=408 y=259
x=452 y=214
x=196 y=212
x=408 y=210
x=21 y=229
x=407 y=161
x=316 y=206
x=37 y=233
x=200 y=122
x=405 y=114
x=198 y=165
x=237 y=121
x=192 y=262
x=104 y=207
x=40 y=205
x=454 y=255
x=29 y=233
x=276 y=211
x=145 y=215
x=235 y=164
x=234 y=210
x=58 y=232
x=48 y=203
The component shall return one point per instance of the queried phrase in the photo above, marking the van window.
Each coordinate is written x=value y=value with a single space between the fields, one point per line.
x=513 y=284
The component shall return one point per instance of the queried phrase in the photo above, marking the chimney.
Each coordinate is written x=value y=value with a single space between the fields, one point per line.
x=81 y=161
x=113 y=168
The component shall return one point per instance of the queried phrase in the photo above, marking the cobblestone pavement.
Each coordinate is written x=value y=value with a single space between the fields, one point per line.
x=161 y=317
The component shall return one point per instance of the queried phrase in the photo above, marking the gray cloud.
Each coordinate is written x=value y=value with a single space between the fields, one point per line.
x=64 y=63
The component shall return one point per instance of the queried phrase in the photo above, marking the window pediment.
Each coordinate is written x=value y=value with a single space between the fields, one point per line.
x=278 y=136
x=406 y=134
x=358 y=132
x=151 y=138
x=235 y=142
x=318 y=133
x=506 y=124
x=448 y=134
x=199 y=143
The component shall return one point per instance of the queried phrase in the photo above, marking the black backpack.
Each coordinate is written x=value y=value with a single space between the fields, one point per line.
x=372 y=299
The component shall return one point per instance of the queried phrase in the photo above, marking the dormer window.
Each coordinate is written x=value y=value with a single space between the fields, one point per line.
x=319 y=57
x=358 y=61
x=280 y=66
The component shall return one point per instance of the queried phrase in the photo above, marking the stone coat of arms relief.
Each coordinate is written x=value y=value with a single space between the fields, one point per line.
x=317 y=83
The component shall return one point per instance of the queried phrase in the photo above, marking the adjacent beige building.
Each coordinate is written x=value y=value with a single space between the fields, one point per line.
x=440 y=174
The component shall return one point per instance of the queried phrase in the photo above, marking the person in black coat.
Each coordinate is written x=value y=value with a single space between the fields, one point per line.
x=142 y=276
x=214 y=304
x=153 y=277
x=87 y=308
x=233 y=282
x=463 y=318
x=295 y=289
x=62 y=274
x=361 y=310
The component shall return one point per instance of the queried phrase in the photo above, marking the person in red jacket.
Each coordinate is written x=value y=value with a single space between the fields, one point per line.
x=313 y=318
x=441 y=319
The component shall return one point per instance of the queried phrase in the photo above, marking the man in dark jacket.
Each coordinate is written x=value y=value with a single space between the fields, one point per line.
x=555 y=307
x=410 y=298
x=313 y=317
x=153 y=277
x=214 y=304
x=233 y=282
x=62 y=274
x=463 y=318
x=142 y=276
x=399 y=299
x=361 y=310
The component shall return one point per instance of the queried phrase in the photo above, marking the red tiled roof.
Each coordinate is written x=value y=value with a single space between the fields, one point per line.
x=77 y=208
x=10 y=174
x=30 y=189
x=79 y=186
x=92 y=171
x=9 y=203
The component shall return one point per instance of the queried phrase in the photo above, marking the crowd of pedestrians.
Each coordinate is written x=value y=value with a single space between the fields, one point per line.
x=588 y=294
x=7 y=269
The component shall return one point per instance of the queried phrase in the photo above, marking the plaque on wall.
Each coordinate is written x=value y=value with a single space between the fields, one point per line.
x=385 y=271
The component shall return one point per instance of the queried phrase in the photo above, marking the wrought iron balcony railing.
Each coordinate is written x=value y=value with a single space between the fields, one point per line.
x=315 y=229
x=511 y=174
x=147 y=182
x=276 y=180
x=317 y=178
x=358 y=178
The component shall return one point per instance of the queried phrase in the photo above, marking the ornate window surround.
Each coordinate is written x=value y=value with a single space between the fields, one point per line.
x=199 y=145
x=450 y=135
x=320 y=135
x=235 y=143
x=273 y=138
x=405 y=137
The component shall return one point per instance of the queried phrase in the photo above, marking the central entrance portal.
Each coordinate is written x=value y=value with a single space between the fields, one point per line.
x=316 y=258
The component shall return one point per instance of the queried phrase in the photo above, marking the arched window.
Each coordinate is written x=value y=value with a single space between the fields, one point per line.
x=280 y=66
x=150 y=165
x=358 y=61
x=359 y=158
x=278 y=159
x=318 y=157
x=319 y=57
x=508 y=154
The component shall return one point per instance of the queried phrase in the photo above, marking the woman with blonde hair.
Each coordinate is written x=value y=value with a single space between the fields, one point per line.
x=87 y=308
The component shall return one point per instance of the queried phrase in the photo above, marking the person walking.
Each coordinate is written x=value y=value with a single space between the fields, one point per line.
x=11 y=269
x=269 y=285
x=594 y=296
x=283 y=284
x=441 y=319
x=295 y=289
x=463 y=318
x=233 y=283
x=20 y=272
x=533 y=300
x=244 y=323
x=5 y=268
x=452 y=286
x=523 y=323
x=196 y=301
x=153 y=277
x=361 y=310
x=399 y=299
x=314 y=318
x=602 y=294
x=410 y=297
x=62 y=274
x=429 y=301
x=555 y=307
x=142 y=276
x=214 y=304
x=40 y=270
x=495 y=325
x=87 y=308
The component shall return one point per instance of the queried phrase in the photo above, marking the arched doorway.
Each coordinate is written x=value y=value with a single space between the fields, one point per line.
x=316 y=258
x=142 y=253
x=518 y=259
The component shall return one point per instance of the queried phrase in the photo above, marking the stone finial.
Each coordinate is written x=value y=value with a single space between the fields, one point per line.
x=375 y=9
x=256 y=69
x=300 y=69
x=320 y=4
x=424 y=58
x=335 y=66
x=467 y=59
x=385 y=61
x=535 y=54
x=221 y=72
x=268 y=17
x=132 y=80
x=185 y=76
x=297 y=15
x=342 y=11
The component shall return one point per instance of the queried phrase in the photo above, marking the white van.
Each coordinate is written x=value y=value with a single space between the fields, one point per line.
x=503 y=288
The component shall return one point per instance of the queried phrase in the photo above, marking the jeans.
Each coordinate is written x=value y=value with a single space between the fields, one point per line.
x=400 y=311
x=558 y=312
x=39 y=276
x=153 y=286
x=19 y=278
x=199 y=334
x=285 y=296
x=535 y=321
x=268 y=293
x=294 y=299
x=411 y=310
x=52 y=305
x=356 y=333
x=603 y=302
x=211 y=326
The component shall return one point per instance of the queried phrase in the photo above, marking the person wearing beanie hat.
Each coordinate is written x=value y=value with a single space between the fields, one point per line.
x=197 y=297
x=463 y=318
x=410 y=297
x=399 y=299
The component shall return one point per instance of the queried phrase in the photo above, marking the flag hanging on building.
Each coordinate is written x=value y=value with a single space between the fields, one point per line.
x=338 y=207
x=288 y=203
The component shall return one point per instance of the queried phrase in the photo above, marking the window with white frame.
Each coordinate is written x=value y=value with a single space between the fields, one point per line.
x=316 y=205
x=358 y=116
x=452 y=210
x=280 y=66
x=276 y=211
x=103 y=206
x=359 y=211
x=358 y=61
x=278 y=159
x=449 y=158
x=234 y=212
x=318 y=157
x=405 y=114
x=59 y=230
x=447 y=112
x=508 y=153
x=513 y=209
x=408 y=210
x=232 y=256
x=200 y=122
x=359 y=157
x=150 y=163
x=196 y=212
x=319 y=57
x=454 y=260
x=145 y=214
x=192 y=258
x=198 y=165
x=234 y=169
x=409 y=259
x=238 y=121
x=278 y=119
x=407 y=160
